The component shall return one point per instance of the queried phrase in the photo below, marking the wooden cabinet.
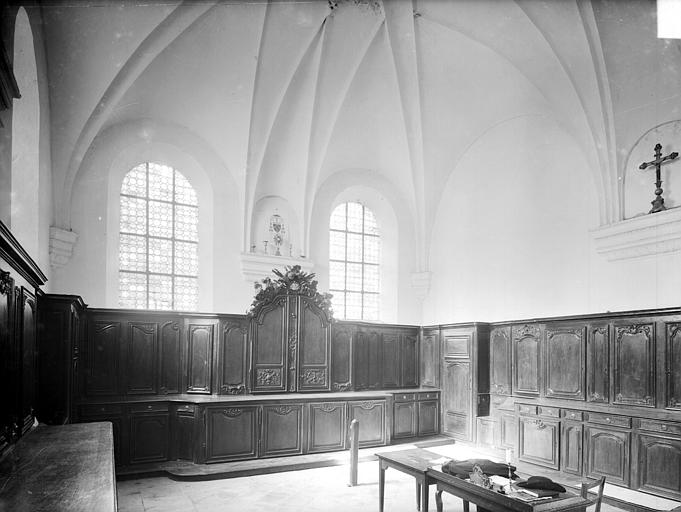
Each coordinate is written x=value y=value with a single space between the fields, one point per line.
x=658 y=468
x=634 y=363
x=404 y=419
x=170 y=356
x=199 y=362
x=269 y=333
x=327 y=431
x=415 y=414
x=598 y=363
x=571 y=441
x=430 y=357
x=427 y=415
x=368 y=360
x=183 y=432
x=371 y=417
x=282 y=430
x=314 y=336
x=342 y=335
x=148 y=432
x=391 y=360
x=102 y=357
x=456 y=399
x=231 y=433
x=232 y=371
x=527 y=358
x=607 y=453
x=59 y=331
x=500 y=361
x=564 y=368
x=141 y=358
x=538 y=440
x=673 y=365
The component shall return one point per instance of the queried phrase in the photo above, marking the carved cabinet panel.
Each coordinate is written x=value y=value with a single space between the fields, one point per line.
x=269 y=332
x=200 y=343
x=538 y=441
x=141 y=363
x=634 y=364
x=327 y=431
x=314 y=335
x=428 y=417
x=371 y=415
x=607 y=454
x=367 y=359
x=391 y=360
x=148 y=437
x=170 y=350
x=456 y=399
x=598 y=363
x=231 y=433
x=500 y=361
x=564 y=369
x=409 y=348
x=659 y=464
x=341 y=357
x=232 y=357
x=404 y=419
x=430 y=358
x=527 y=356
x=571 y=447
x=282 y=430
x=102 y=358
x=673 y=365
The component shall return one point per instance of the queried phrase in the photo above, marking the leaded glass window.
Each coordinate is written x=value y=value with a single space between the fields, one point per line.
x=354 y=262
x=159 y=235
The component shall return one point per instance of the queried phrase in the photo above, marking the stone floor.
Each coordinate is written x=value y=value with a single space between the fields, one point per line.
x=321 y=489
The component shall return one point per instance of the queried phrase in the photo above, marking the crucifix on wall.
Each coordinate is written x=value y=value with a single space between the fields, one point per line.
x=658 y=202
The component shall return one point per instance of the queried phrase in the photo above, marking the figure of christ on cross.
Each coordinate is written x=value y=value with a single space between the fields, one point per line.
x=658 y=202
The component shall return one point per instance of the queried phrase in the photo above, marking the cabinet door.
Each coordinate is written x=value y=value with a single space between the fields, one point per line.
x=231 y=433
x=102 y=358
x=182 y=432
x=571 y=447
x=404 y=419
x=673 y=366
x=327 y=427
x=315 y=348
x=598 y=364
x=148 y=437
x=500 y=361
x=659 y=465
x=170 y=349
x=456 y=399
x=457 y=343
x=427 y=418
x=200 y=340
x=485 y=431
x=508 y=430
x=527 y=357
x=538 y=441
x=410 y=357
x=29 y=362
x=391 y=360
x=564 y=367
x=341 y=357
x=142 y=358
x=371 y=417
x=607 y=454
x=269 y=331
x=282 y=430
x=634 y=380
x=233 y=354
x=430 y=359
x=367 y=360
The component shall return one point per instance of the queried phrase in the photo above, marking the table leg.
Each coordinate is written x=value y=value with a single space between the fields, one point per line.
x=381 y=485
x=466 y=506
x=438 y=500
x=418 y=495
x=424 y=496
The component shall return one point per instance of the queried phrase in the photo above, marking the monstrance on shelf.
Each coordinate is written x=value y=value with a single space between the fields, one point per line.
x=278 y=230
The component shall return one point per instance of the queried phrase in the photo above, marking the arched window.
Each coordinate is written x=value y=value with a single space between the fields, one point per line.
x=158 y=249
x=354 y=262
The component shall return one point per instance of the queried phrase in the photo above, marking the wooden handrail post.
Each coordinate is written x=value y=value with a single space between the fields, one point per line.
x=354 y=451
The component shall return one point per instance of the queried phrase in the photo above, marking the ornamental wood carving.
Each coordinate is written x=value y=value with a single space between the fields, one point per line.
x=232 y=412
x=268 y=377
x=5 y=283
x=314 y=376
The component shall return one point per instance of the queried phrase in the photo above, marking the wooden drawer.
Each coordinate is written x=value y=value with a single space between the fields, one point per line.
x=660 y=426
x=527 y=409
x=185 y=408
x=550 y=412
x=100 y=410
x=404 y=397
x=153 y=407
x=609 y=419
x=572 y=415
x=428 y=396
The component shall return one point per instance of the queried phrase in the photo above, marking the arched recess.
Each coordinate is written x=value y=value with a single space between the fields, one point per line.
x=25 y=178
x=397 y=236
x=96 y=214
x=263 y=211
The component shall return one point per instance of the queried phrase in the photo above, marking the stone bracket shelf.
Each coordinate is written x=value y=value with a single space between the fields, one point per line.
x=256 y=267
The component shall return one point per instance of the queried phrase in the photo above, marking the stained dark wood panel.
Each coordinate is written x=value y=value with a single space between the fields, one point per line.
x=327 y=427
x=565 y=362
x=170 y=358
x=538 y=441
x=571 y=447
x=102 y=374
x=142 y=358
x=183 y=433
x=634 y=364
x=409 y=360
x=391 y=360
x=313 y=363
x=500 y=361
x=430 y=359
x=270 y=355
x=457 y=345
x=29 y=361
x=527 y=357
x=428 y=417
x=282 y=430
x=148 y=438
x=659 y=465
x=404 y=419
x=7 y=357
x=456 y=399
x=231 y=433
x=607 y=454
x=598 y=364
x=200 y=357
x=508 y=430
x=233 y=357
x=673 y=369
x=371 y=416
x=341 y=358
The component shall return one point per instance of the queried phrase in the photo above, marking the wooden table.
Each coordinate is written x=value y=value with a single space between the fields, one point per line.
x=60 y=468
x=414 y=462
x=492 y=501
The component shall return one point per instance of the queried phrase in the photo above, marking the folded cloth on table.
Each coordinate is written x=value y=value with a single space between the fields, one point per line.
x=463 y=468
x=540 y=483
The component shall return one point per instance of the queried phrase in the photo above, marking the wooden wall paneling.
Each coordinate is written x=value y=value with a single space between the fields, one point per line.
x=183 y=432
x=341 y=356
x=391 y=360
x=28 y=346
x=508 y=431
x=148 y=432
x=367 y=359
x=527 y=359
x=658 y=464
x=672 y=365
x=8 y=379
x=282 y=430
x=598 y=375
x=231 y=433
x=571 y=442
x=102 y=357
x=170 y=356
x=409 y=349
x=565 y=361
x=200 y=345
x=428 y=416
x=500 y=361
x=456 y=399
x=430 y=358
x=634 y=363
x=484 y=432
x=232 y=371
x=405 y=419
x=327 y=426
x=457 y=344
x=607 y=453
x=314 y=339
x=538 y=441
x=269 y=333
x=141 y=369
x=371 y=415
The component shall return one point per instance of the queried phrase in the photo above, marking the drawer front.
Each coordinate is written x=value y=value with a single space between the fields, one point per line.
x=527 y=409
x=100 y=410
x=572 y=415
x=550 y=412
x=660 y=426
x=404 y=397
x=609 y=419
x=153 y=407
x=428 y=396
x=186 y=408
